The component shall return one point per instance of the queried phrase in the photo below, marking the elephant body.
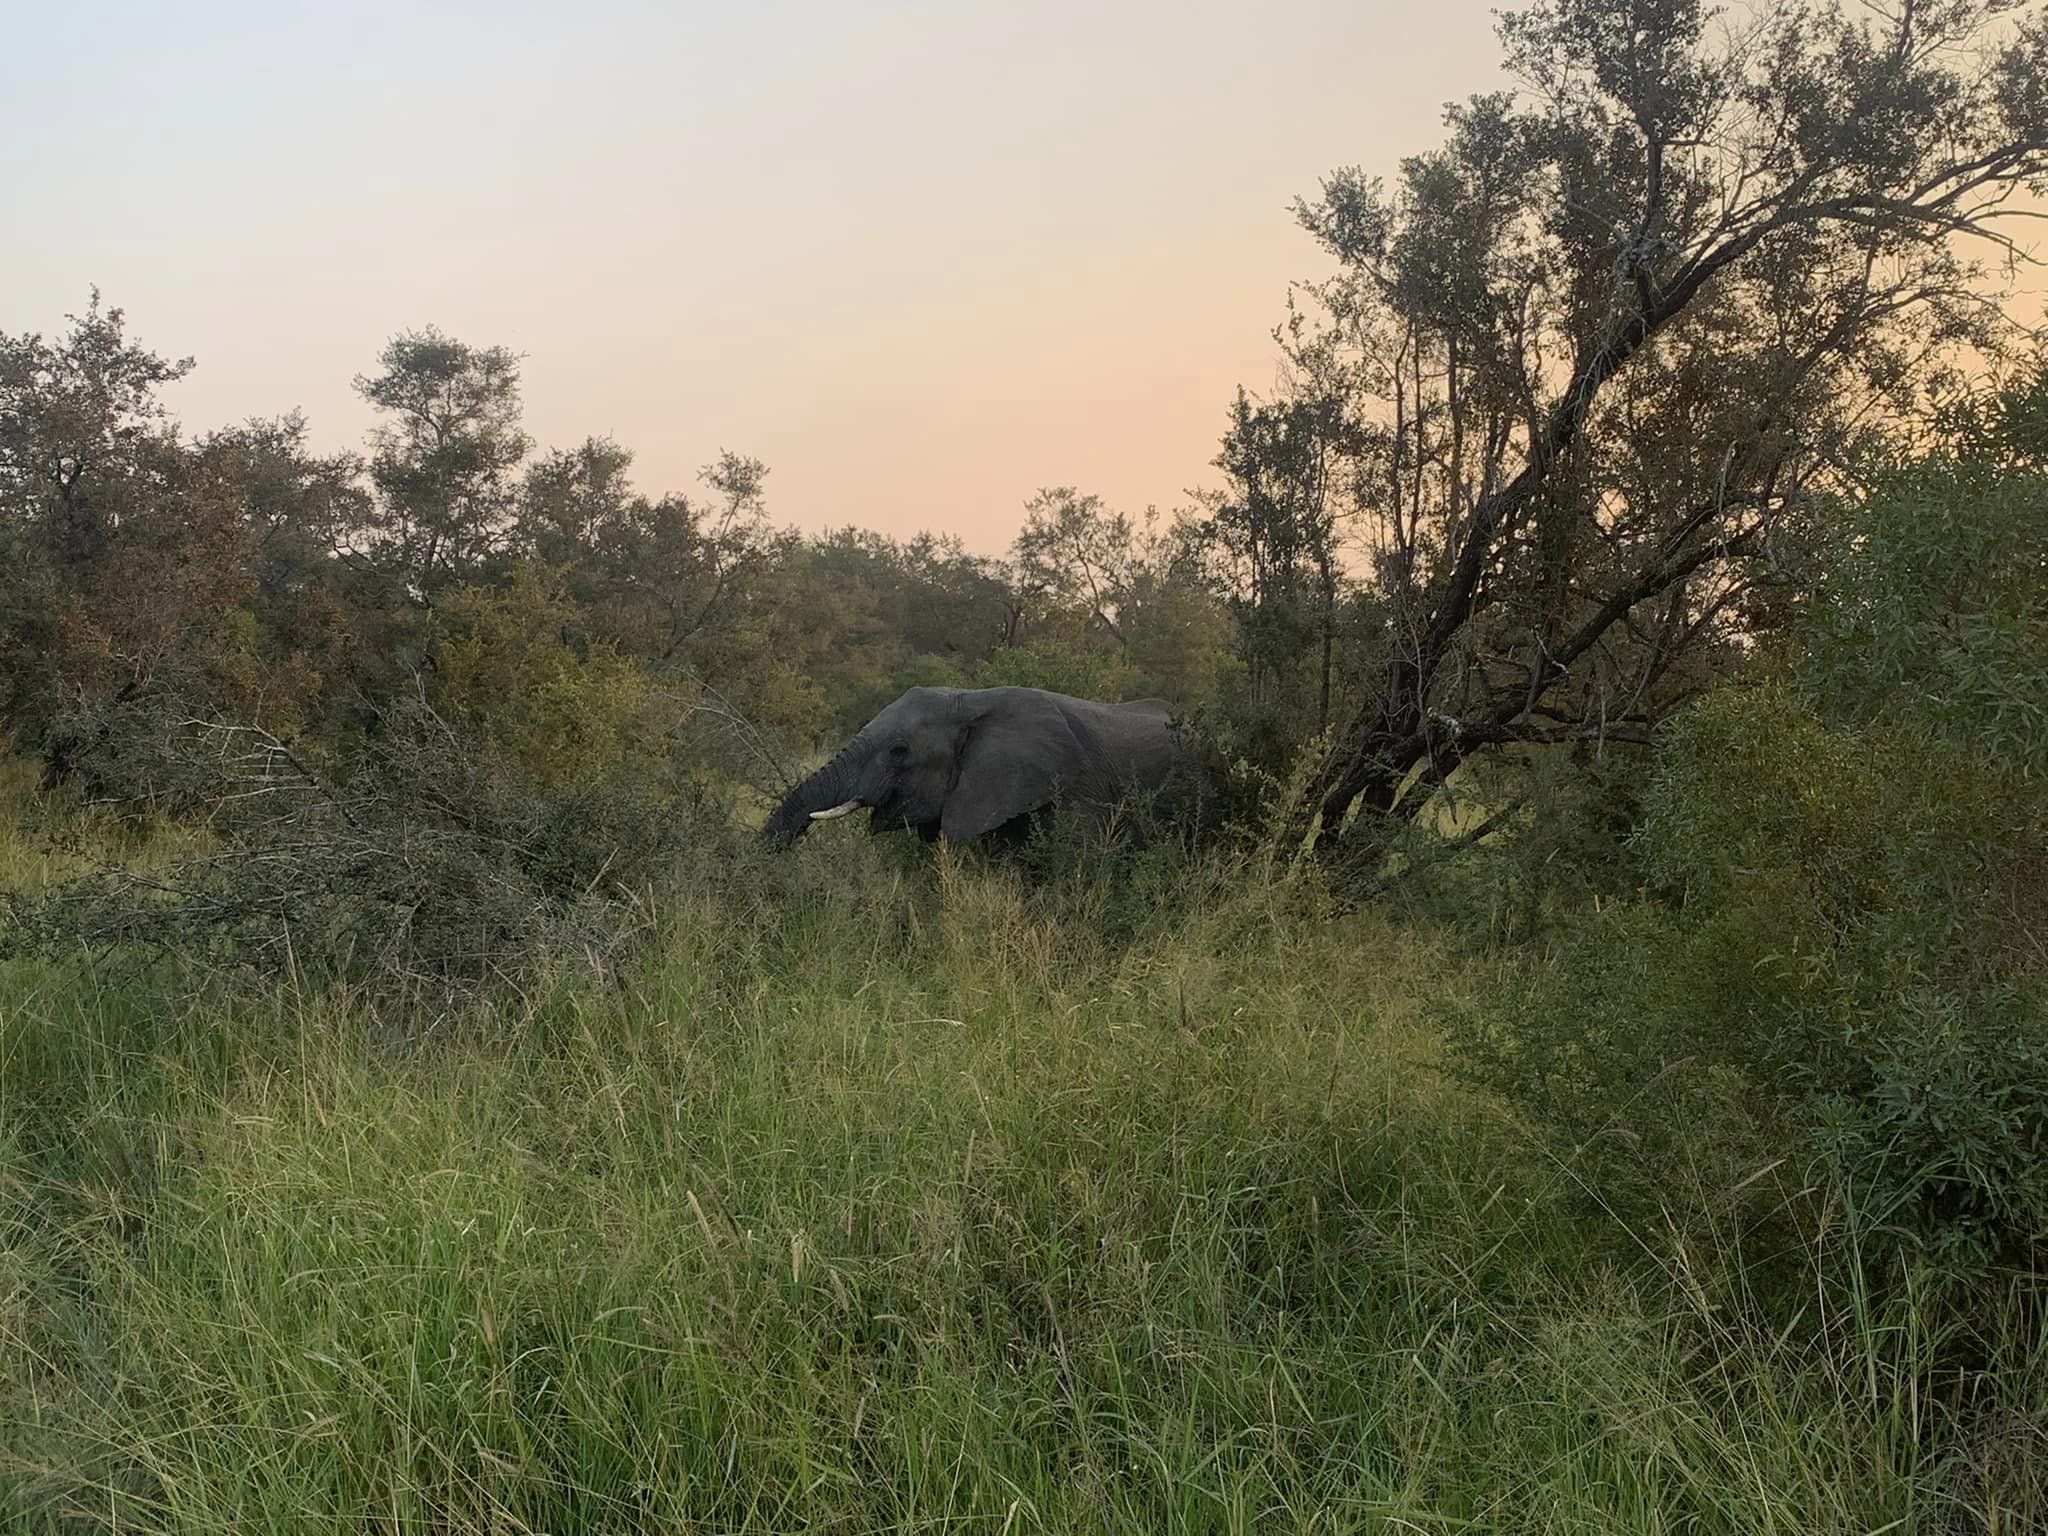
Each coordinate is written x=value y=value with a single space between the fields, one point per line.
x=963 y=763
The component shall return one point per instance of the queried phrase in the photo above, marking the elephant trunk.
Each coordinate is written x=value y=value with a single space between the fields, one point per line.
x=826 y=794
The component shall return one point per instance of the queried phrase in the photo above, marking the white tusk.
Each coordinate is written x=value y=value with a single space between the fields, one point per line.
x=836 y=811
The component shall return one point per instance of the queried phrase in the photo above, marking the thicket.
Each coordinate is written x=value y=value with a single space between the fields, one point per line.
x=1820 y=1006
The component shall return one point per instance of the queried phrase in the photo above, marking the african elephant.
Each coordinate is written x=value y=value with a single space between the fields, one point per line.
x=966 y=762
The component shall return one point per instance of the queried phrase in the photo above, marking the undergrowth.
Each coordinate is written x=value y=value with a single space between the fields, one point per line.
x=885 y=1193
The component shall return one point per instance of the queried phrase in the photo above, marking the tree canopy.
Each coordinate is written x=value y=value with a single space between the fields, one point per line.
x=1598 y=349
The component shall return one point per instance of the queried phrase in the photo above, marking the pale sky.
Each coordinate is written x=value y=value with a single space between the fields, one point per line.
x=920 y=258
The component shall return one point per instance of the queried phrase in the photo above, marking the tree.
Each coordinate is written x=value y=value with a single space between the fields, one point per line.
x=2001 y=419
x=529 y=701
x=1076 y=553
x=100 y=502
x=443 y=462
x=1603 y=340
x=78 y=420
x=735 y=546
x=578 y=507
x=300 y=510
x=1180 y=630
x=663 y=580
x=1118 y=608
x=1826 y=957
x=877 y=616
x=1277 y=524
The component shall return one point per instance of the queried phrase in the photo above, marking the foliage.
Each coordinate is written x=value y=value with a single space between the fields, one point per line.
x=1074 y=552
x=1516 y=845
x=513 y=671
x=1932 y=614
x=1599 y=352
x=1047 y=663
x=1997 y=416
x=1276 y=528
x=436 y=859
x=444 y=458
x=922 y=670
x=1115 y=605
x=1833 y=974
x=1180 y=636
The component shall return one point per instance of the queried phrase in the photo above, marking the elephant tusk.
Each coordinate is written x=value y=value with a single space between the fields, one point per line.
x=836 y=811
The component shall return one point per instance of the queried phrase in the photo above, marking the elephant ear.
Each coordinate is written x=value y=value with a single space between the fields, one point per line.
x=1016 y=755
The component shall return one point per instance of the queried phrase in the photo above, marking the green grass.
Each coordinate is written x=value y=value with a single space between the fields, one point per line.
x=926 y=1209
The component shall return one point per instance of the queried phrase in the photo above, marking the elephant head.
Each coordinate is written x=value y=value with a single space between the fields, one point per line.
x=962 y=762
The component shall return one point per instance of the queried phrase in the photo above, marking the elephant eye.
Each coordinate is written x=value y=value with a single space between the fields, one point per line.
x=900 y=751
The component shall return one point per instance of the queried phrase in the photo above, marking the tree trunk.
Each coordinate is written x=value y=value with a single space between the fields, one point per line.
x=1328 y=573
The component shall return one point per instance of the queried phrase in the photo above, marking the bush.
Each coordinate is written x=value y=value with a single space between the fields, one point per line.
x=506 y=810
x=1518 y=842
x=1083 y=673
x=428 y=860
x=922 y=670
x=1832 y=969
x=513 y=668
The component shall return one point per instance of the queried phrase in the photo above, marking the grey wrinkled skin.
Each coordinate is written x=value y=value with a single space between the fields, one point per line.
x=963 y=763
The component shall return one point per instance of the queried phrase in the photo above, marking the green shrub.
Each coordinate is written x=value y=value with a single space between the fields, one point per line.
x=1516 y=843
x=922 y=670
x=545 y=702
x=1084 y=673
x=1932 y=617
x=430 y=859
x=1830 y=984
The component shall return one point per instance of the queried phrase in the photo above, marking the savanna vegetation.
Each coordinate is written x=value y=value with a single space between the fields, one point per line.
x=1594 y=1078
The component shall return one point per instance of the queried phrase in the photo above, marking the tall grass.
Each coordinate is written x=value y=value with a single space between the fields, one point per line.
x=881 y=1197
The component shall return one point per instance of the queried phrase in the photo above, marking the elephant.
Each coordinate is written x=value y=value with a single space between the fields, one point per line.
x=968 y=763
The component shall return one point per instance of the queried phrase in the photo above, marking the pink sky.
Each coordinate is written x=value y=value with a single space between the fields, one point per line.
x=920 y=258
